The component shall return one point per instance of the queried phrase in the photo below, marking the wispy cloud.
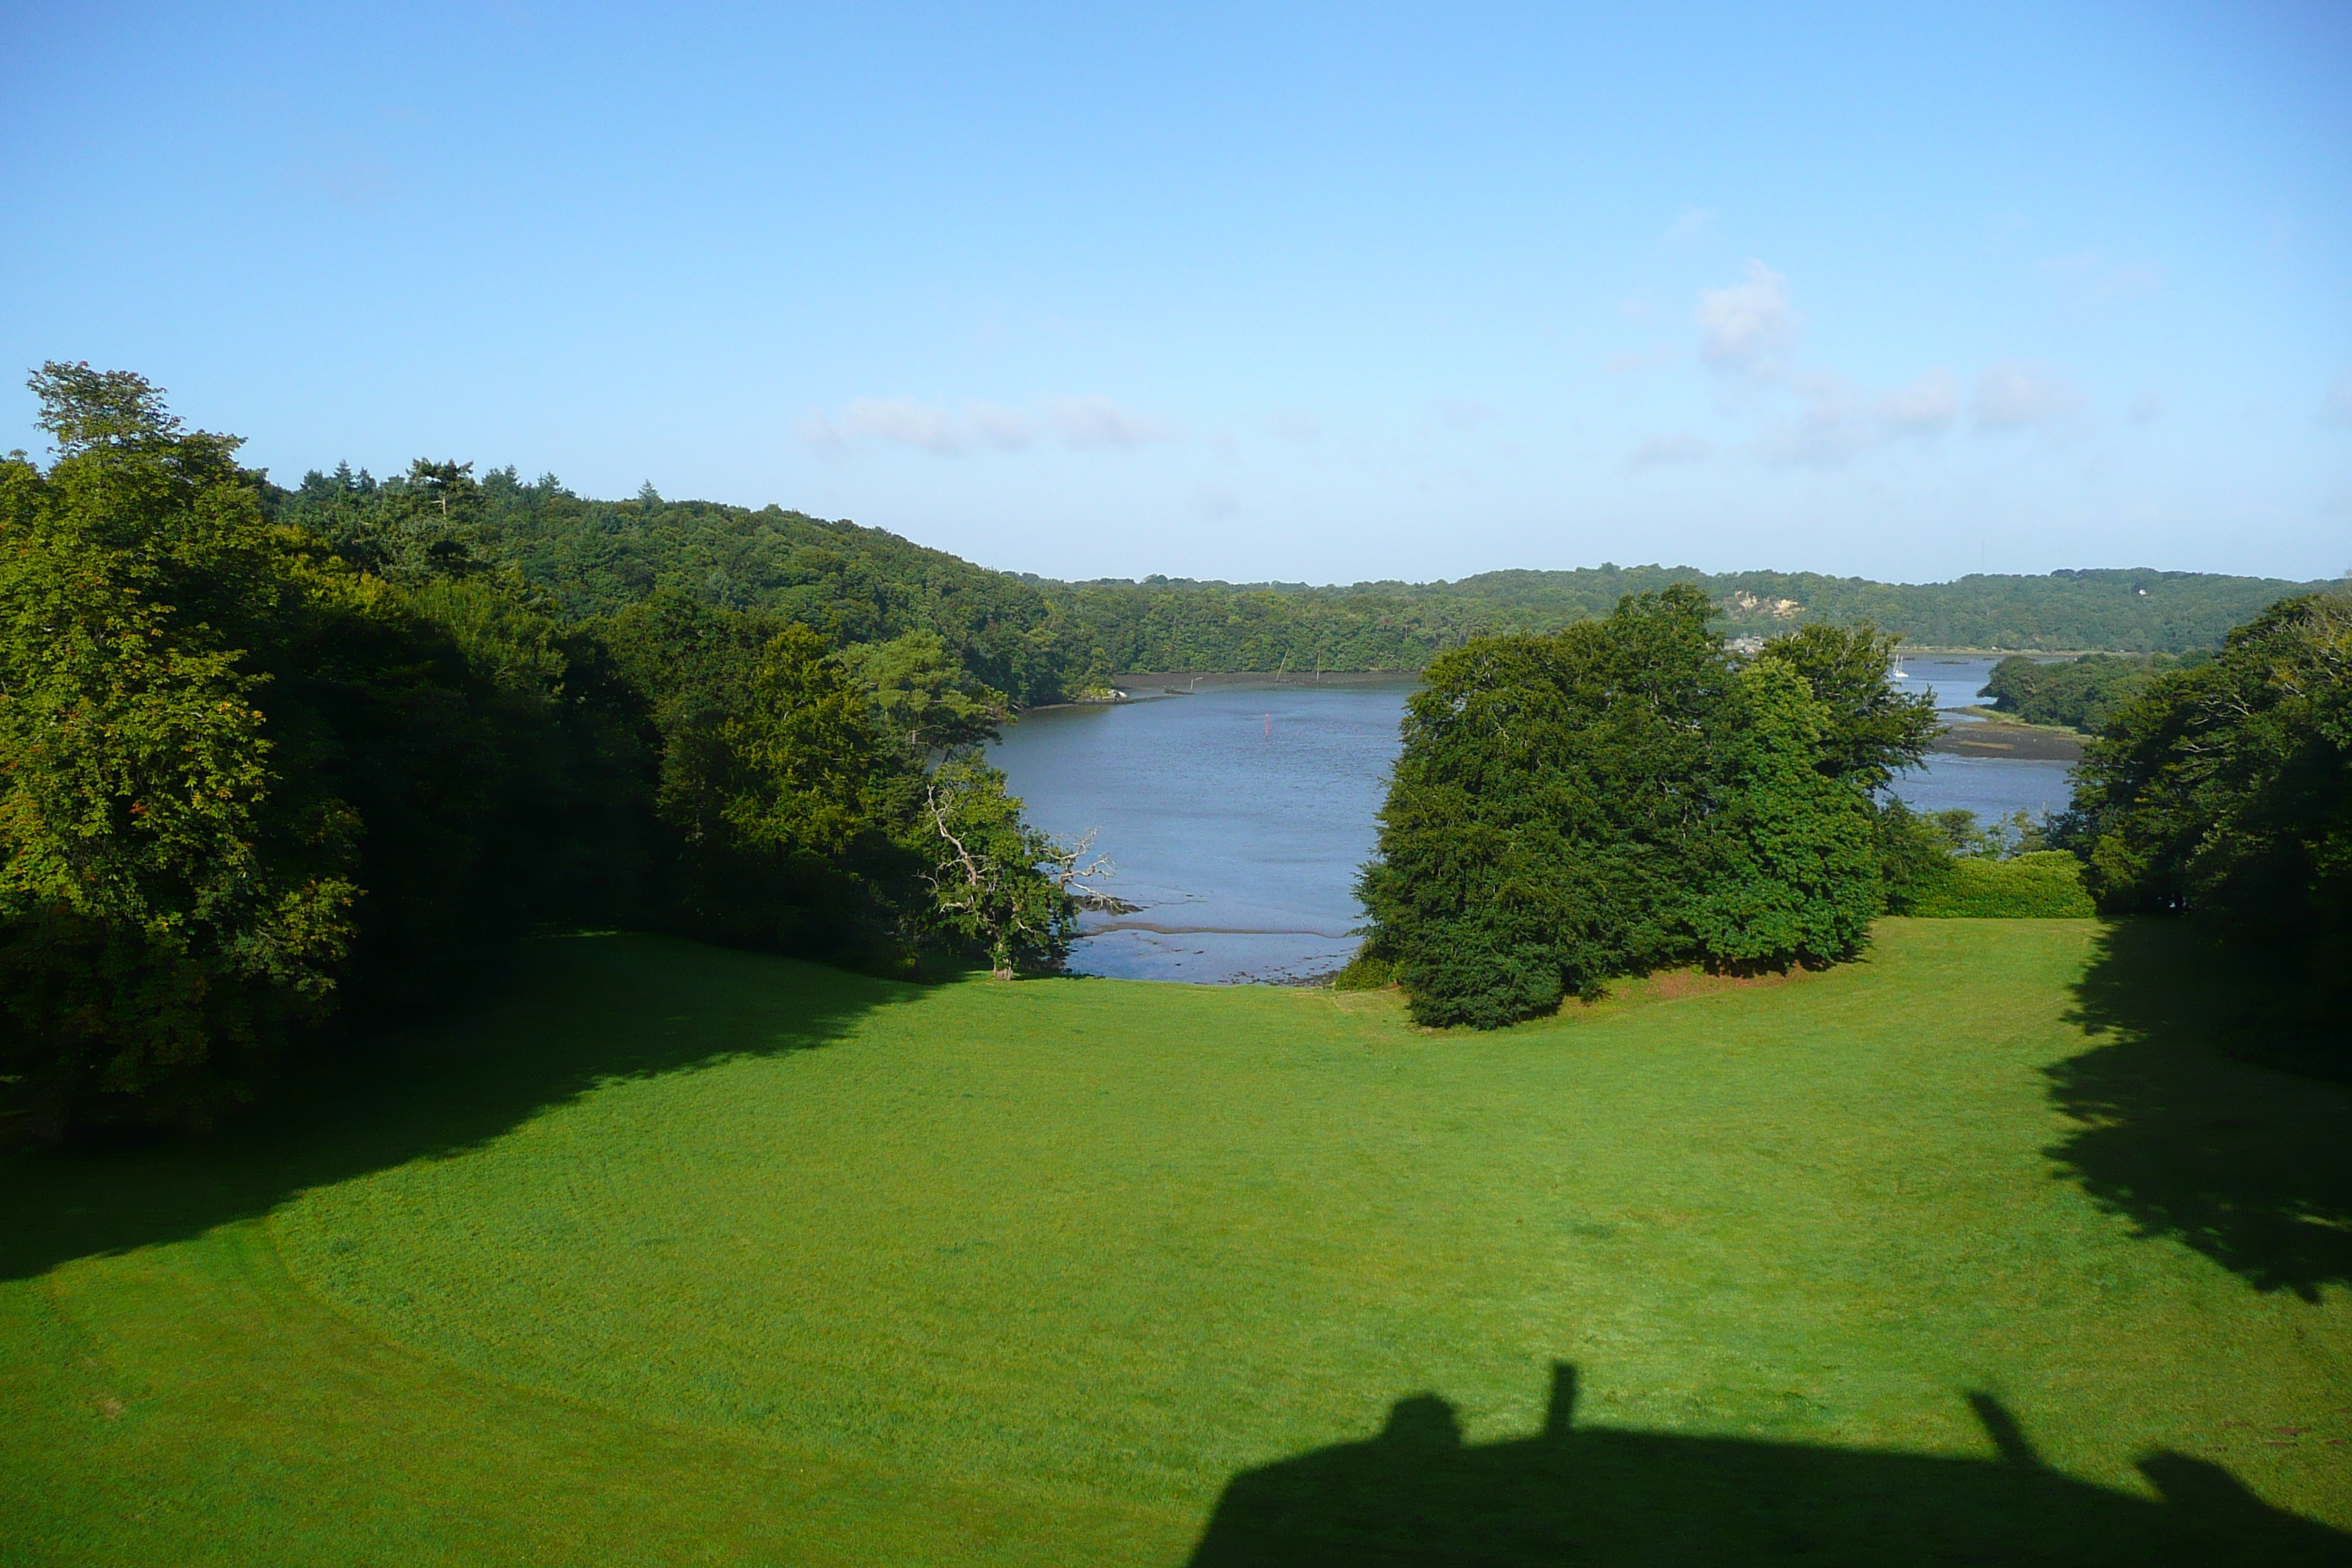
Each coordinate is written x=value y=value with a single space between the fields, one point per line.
x=1690 y=224
x=2017 y=394
x=2148 y=408
x=1666 y=451
x=1638 y=359
x=1834 y=424
x=1925 y=407
x=1216 y=502
x=2336 y=409
x=1007 y=429
x=2093 y=281
x=1294 y=425
x=1096 y=421
x=1749 y=329
x=1466 y=414
x=1089 y=422
x=1841 y=421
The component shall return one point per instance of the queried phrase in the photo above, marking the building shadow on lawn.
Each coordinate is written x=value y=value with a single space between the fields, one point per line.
x=574 y=1012
x=2250 y=1164
x=1417 y=1494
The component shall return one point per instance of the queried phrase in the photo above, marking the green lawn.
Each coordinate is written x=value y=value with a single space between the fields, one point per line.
x=1976 y=1251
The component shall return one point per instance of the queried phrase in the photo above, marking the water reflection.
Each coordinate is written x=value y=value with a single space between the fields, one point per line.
x=1239 y=815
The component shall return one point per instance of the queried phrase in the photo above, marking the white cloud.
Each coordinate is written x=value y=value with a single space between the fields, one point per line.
x=1836 y=425
x=1007 y=429
x=1096 y=421
x=1688 y=225
x=1925 y=407
x=899 y=421
x=2094 y=282
x=1749 y=329
x=1216 y=502
x=1086 y=423
x=1294 y=425
x=1660 y=451
x=2148 y=408
x=2336 y=409
x=1841 y=420
x=1463 y=414
x=1631 y=361
x=2016 y=395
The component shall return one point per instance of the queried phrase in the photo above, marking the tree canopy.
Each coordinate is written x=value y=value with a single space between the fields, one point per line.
x=1039 y=640
x=273 y=763
x=1627 y=793
x=2223 y=792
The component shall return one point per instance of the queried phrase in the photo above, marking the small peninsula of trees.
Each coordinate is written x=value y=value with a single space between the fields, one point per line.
x=1627 y=794
x=2077 y=694
x=268 y=758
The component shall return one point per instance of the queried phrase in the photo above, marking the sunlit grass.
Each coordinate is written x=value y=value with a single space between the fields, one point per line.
x=683 y=1254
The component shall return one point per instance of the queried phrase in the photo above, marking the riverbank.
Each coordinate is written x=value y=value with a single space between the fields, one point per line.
x=1985 y=732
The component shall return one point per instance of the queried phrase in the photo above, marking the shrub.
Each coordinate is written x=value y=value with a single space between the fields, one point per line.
x=2041 y=884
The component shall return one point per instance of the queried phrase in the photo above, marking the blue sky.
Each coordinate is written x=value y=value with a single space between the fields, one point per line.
x=1328 y=293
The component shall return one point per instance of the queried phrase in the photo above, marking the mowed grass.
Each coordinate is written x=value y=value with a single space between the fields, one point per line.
x=679 y=1255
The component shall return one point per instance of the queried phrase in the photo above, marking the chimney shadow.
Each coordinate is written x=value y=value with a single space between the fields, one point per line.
x=1417 y=1494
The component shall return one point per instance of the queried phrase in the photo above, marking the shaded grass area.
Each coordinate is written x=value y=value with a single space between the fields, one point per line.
x=2252 y=1168
x=683 y=1254
x=1418 y=1494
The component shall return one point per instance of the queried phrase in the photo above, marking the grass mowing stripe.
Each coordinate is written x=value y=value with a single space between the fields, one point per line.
x=1032 y=1272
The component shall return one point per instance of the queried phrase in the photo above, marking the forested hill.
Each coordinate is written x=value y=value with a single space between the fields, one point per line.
x=1038 y=639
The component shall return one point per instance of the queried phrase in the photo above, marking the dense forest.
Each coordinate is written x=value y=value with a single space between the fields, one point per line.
x=1039 y=641
x=268 y=769
x=273 y=761
x=2221 y=791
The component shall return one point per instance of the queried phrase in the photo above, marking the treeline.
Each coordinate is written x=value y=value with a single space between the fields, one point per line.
x=2081 y=694
x=2123 y=611
x=591 y=559
x=1040 y=640
x=1163 y=625
x=264 y=766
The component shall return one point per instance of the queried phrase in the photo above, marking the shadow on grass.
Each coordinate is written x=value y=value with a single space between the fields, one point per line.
x=2246 y=1162
x=576 y=1011
x=1418 y=1494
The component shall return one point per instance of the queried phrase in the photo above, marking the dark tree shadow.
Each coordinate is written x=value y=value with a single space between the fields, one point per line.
x=1417 y=1494
x=2187 y=1121
x=574 y=1012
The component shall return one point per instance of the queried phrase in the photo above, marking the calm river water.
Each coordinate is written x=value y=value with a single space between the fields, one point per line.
x=1238 y=815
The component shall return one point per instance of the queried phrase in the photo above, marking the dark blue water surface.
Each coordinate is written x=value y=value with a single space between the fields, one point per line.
x=1238 y=816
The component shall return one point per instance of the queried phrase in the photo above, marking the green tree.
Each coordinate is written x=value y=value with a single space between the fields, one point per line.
x=922 y=699
x=2224 y=792
x=1794 y=877
x=168 y=914
x=1869 y=731
x=1611 y=798
x=997 y=883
